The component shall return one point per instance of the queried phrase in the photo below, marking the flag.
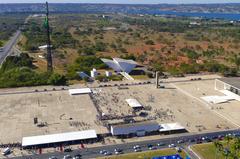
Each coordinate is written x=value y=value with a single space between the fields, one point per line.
x=45 y=24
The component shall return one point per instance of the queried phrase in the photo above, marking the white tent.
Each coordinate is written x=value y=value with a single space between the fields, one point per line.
x=80 y=91
x=171 y=127
x=217 y=99
x=134 y=103
x=55 y=138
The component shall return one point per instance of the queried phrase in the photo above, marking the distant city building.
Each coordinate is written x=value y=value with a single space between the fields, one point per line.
x=120 y=65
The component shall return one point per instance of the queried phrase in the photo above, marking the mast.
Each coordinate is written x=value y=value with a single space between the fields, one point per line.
x=49 y=51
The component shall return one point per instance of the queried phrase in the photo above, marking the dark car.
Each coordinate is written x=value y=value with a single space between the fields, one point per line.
x=78 y=156
x=67 y=150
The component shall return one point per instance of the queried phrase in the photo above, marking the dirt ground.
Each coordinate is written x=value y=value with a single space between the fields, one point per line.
x=60 y=111
x=166 y=105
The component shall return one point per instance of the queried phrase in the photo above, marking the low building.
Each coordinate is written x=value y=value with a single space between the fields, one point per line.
x=231 y=84
x=135 y=129
x=47 y=140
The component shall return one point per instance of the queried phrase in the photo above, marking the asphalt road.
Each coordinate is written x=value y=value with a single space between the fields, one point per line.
x=7 y=49
x=128 y=147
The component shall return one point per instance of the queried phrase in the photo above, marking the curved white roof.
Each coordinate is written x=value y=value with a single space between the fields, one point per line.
x=120 y=65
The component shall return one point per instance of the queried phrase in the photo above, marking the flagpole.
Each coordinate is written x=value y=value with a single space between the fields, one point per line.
x=49 y=51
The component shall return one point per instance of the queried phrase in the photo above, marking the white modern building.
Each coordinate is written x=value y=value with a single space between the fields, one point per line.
x=120 y=65
x=230 y=84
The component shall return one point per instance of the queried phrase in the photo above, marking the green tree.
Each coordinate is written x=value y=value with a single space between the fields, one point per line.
x=1 y=43
x=57 y=79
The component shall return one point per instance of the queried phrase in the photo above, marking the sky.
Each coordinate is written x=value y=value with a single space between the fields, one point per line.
x=123 y=1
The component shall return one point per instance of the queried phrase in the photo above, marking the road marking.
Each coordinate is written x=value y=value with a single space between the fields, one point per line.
x=207 y=105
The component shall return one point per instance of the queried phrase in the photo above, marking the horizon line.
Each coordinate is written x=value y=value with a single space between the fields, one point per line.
x=121 y=3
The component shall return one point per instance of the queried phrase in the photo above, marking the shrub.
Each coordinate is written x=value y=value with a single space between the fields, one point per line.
x=149 y=42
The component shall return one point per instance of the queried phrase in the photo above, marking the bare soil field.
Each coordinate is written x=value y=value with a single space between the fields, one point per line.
x=60 y=111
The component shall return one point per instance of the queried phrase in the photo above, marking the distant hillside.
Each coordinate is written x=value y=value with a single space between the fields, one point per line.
x=123 y=8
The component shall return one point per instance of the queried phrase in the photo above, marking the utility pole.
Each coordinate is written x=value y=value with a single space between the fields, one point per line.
x=49 y=51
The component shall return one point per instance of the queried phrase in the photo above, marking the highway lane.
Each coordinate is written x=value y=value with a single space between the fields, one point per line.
x=7 y=49
x=128 y=147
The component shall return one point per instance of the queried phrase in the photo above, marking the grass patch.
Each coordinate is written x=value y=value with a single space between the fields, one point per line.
x=146 y=155
x=207 y=151
x=140 y=77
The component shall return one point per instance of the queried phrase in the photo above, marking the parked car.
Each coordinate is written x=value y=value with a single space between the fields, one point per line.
x=151 y=147
x=161 y=144
x=180 y=141
x=118 y=151
x=102 y=151
x=171 y=145
x=6 y=151
x=107 y=153
x=67 y=157
x=136 y=147
x=53 y=157
x=78 y=156
x=138 y=150
x=67 y=150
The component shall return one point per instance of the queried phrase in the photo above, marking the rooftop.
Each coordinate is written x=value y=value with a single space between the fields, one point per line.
x=54 y=138
x=136 y=124
x=233 y=81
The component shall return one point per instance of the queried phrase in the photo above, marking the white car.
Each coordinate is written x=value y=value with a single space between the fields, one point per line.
x=107 y=153
x=138 y=150
x=136 y=147
x=171 y=145
x=67 y=157
x=102 y=151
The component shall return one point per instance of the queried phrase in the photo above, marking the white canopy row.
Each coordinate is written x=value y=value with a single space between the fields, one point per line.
x=55 y=138
x=80 y=91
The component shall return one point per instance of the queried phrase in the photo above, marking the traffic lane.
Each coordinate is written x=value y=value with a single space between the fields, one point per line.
x=128 y=147
x=9 y=45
